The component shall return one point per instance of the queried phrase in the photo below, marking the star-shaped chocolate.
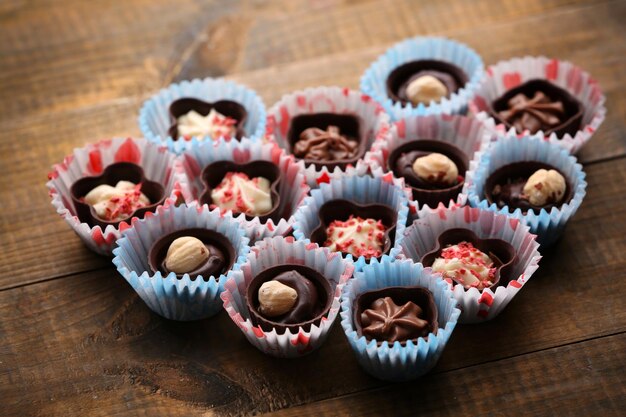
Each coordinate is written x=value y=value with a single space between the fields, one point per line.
x=385 y=320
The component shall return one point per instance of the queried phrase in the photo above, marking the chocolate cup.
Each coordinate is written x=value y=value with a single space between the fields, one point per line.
x=573 y=108
x=342 y=209
x=400 y=295
x=501 y=252
x=227 y=108
x=428 y=197
x=158 y=252
x=213 y=174
x=398 y=79
x=522 y=169
x=324 y=291
x=349 y=125
x=119 y=171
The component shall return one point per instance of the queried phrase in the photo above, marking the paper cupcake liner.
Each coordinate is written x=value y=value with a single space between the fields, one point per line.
x=325 y=100
x=176 y=299
x=397 y=362
x=154 y=117
x=547 y=225
x=361 y=190
x=373 y=81
x=477 y=306
x=158 y=165
x=276 y=251
x=505 y=75
x=292 y=190
x=465 y=133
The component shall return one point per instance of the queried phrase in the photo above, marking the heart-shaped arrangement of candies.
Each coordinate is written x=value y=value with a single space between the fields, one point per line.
x=417 y=202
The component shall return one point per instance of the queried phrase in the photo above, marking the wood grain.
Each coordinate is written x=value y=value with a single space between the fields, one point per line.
x=91 y=341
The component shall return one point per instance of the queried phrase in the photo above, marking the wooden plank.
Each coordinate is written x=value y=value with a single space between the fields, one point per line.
x=580 y=379
x=92 y=347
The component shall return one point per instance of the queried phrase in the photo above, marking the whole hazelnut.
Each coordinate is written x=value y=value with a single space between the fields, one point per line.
x=436 y=168
x=545 y=186
x=276 y=298
x=186 y=254
x=425 y=89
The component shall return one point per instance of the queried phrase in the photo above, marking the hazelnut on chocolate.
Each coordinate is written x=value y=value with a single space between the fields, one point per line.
x=545 y=186
x=186 y=254
x=436 y=168
x=425 y=89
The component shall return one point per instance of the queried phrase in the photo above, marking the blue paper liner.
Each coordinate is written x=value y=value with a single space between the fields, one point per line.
x=154 y=117
x=397 y=362
x=547 y=225
x=361 y=190
x=176 y=299
x=373 y=81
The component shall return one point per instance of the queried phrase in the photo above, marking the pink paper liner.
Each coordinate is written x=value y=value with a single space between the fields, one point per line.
x=158 y=163
x=292 y=189
x=477 y=306
x=505 y=75
x=325 y=100
x=280 y=250
x=466 y=133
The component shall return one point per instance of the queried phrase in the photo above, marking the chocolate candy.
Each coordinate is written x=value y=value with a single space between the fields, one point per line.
x=214 y=174
x=505 y=187
x=327 y=139
x=219 y=259
x=399 y=80
x=395 y=314
x=466 y=259
x=314 y=297
x=230 y=109
x=125 y=204
x=344 y=211
x=539 y=105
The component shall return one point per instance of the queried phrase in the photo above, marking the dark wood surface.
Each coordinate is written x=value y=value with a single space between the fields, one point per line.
x=75 y=340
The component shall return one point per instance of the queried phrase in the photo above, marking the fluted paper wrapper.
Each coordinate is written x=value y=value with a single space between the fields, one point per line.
x=157 y=162
x=362 y=190
x=173 y=298
x=477 y=306
x=277 y=251
x=374 y=121
x=547 y=225
x=396 y=362
x=506 y=75
x=155 y=121
x=292 y=188
x=374 y=80
x=467 y=134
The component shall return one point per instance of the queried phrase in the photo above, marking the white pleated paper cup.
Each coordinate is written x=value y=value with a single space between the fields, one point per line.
x=292 y=188
x=395 y=362
x=466 y=133
x=477 y=306
x=154 y=117
x=362 y=190
x=343 y=101
x=176 y=298
x=374 y=80
x=158 y=165
x=276 y=251
x=547 y=225
x=505 y=75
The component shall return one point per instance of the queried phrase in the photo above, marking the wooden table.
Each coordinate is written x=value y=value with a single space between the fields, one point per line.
x=75 y=340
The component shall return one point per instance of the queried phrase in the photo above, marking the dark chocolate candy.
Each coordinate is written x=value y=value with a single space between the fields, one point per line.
x=401 y=159
x=322 y=145
x=501 y=253
x=221 y=253
x=539 y=105
x=315 y=296
x=227 y=108
x=505 y=186
x=112 y=174
x=214 y=173
x=390 y=314
x=399 y=79
x=342 y=209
